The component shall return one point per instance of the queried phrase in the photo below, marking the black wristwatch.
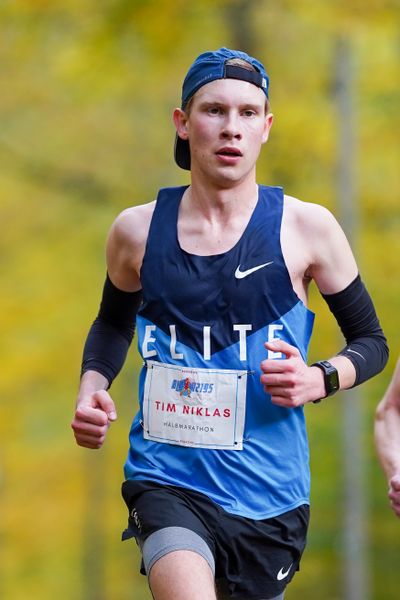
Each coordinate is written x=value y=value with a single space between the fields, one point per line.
x=331 y=378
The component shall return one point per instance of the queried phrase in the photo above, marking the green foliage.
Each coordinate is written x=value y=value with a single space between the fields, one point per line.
x=87 y=94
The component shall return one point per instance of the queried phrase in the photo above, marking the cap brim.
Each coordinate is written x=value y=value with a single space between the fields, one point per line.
x=182 y=153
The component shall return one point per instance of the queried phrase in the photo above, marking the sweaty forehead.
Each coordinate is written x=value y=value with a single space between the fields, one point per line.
x=230 y=91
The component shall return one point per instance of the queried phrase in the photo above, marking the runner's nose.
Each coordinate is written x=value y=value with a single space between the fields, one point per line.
x=231 y=127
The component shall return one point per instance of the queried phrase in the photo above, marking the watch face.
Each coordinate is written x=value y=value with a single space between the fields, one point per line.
x=332 y=381
x=331 y=376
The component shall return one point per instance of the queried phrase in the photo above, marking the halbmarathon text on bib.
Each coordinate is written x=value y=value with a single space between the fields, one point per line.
x=202 y=408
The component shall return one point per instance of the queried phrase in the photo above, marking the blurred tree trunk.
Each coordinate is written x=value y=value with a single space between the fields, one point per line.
x=355 y=580
x=239 y=16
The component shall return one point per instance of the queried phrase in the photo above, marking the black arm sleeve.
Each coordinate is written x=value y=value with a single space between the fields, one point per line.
x=112 y=331
x=366 y=343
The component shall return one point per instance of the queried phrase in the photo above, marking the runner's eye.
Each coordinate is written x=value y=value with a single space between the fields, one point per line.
x=249 y=113
x=215 y=110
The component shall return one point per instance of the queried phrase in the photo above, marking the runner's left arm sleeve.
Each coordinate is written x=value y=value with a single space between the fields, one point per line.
x=366 y=346
x=112 y=331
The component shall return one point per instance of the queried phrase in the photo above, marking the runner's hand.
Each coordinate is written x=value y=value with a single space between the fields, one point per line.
x=394 y=493
x=93 y=416
x=289 y=381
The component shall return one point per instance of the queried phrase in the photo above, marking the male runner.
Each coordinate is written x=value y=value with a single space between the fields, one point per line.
x=216 y=273
x=387 y=437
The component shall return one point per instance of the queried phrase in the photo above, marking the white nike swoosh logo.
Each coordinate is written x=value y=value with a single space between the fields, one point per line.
x=354 y=352
x=240 y=274
x=282 y=574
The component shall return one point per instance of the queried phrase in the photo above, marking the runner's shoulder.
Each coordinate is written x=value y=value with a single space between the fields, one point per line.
x=132 y=225
x=313 y=219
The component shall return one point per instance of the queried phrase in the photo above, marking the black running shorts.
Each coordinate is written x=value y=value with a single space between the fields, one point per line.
x=253 y=558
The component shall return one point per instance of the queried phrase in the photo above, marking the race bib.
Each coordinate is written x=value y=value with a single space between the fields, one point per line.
x=200 y=408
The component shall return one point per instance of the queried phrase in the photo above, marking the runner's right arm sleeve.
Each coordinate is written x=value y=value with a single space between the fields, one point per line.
x=112 y=331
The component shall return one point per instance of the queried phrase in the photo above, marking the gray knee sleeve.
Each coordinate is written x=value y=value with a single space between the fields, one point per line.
x=171 y=539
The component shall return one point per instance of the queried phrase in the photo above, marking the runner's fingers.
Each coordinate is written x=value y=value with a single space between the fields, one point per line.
x=396 y=508
x=283 y=396
x=277 y=392
x=281 y=401
x=394 y=496
x=395 y=483
x=88 y=414
x=88 y=441
x=281 y=346
x=284 y=380
x=84 y=428
x=275 y=366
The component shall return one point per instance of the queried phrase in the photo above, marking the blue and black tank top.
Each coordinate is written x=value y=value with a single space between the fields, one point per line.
x=216 y=312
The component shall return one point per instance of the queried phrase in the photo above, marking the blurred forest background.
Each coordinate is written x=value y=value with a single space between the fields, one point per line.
x=87 y=92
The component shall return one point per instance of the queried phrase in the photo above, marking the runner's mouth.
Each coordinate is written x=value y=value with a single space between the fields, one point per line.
x=229 y=152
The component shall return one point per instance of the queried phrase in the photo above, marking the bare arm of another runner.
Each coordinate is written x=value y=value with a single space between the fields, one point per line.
x=387 y=437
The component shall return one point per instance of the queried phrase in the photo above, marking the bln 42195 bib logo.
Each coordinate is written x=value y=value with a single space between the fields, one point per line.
x=186 y=386
x=196 y=396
